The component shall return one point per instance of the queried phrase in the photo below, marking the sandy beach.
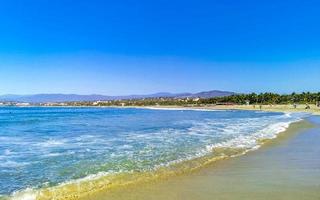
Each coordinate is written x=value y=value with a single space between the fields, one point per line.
x=275 y=108
x=285 y=168
x=271 y=108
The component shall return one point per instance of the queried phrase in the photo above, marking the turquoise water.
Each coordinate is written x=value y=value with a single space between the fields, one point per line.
x=41 y=147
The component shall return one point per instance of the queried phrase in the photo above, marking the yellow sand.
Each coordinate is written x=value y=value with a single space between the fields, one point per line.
x=83 y=189
x=276 y=108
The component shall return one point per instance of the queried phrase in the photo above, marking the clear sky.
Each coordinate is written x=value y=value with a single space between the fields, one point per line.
x=137 y=47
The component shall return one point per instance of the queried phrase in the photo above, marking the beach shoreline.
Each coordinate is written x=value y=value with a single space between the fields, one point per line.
x=314 y=110
x=257 y=166
x=183 y=169
x=70 y=191
x=267 y=108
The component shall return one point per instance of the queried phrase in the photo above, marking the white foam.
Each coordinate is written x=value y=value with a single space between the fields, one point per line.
x=12 y=164
x=51 y=143
x=7 y=152
x=27 y=194
x=251 y=141
x=31 y=194
x=53 y=154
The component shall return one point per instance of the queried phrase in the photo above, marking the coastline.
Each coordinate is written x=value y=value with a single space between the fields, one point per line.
x=91 y=186
x=271 y=172
x=268 y=108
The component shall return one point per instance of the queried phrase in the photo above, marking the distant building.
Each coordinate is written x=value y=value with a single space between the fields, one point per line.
x=196 y=99
x=22 y=104
x=54 y=104
x=99 y=102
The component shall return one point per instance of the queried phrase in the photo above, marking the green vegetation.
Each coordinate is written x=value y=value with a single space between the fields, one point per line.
x=267 y=98
x=239 y=99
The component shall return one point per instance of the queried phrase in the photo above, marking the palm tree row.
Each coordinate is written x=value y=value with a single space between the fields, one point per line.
x=266 y=98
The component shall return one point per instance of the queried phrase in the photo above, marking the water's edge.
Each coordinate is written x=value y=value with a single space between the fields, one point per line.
x=284 y=168
x=101 y=182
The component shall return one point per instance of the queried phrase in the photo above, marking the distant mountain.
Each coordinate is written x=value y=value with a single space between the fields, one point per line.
x=213 y=93
x=42 y=98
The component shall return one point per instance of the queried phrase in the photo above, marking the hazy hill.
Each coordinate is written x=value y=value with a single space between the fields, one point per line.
x=41 y=98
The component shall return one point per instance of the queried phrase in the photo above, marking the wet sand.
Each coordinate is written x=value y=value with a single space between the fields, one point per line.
x=285 y=168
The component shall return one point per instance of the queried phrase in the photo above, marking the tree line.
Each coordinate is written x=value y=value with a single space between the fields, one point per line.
x=267 y=98
x=240 y=99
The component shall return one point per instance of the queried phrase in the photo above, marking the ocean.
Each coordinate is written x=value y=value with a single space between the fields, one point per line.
x=43 y=149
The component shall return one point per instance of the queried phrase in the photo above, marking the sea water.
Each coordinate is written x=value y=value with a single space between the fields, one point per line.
x=42 y=147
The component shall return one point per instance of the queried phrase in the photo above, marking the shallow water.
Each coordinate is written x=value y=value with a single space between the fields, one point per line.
x=44 y=147
x=287 y=168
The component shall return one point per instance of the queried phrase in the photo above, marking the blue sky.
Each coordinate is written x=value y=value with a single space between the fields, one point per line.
x=127 y=47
